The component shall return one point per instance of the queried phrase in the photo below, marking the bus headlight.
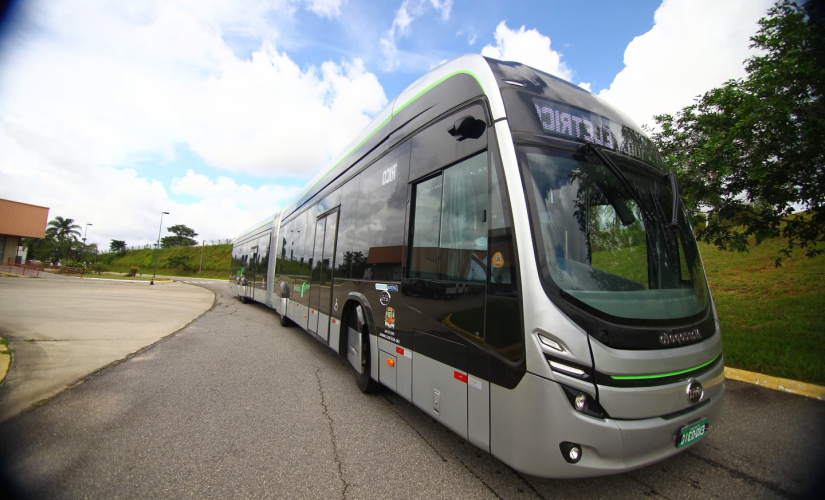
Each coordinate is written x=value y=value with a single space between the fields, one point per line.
x=580 y=402
x=584 y=403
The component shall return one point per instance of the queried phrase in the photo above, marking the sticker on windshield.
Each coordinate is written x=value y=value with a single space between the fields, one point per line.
x=498 y=260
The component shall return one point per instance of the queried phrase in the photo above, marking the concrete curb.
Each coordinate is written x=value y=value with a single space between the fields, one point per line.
x=5 y=364
x=12 y=275
x=776 y=383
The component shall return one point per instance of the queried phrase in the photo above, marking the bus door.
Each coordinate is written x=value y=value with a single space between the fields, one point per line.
x=251 y=272
x=315 y=274
x=446 y=277
x=320 y=294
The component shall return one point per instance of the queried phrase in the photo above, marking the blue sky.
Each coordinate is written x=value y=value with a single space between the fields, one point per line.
x=209 y=109
x=594 y=45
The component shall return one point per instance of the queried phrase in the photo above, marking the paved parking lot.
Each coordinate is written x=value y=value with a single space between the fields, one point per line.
x=235 y=406
x=64 y=328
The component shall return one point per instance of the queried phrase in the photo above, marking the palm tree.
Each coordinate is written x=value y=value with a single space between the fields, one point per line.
x=63 y=229
x=66 y=232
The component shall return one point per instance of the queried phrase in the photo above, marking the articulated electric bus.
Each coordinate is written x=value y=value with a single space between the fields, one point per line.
x=502 y=249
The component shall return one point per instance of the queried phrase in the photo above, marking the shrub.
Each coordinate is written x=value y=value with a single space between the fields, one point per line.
x=133 y=270
x=98 y=267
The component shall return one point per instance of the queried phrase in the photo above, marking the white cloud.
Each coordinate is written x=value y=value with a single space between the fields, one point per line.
x=329 y=8
x=528 y=47
x=121 y=203
x=695 y=45
x=92 y=85
x=409 y=11
x=585 y=86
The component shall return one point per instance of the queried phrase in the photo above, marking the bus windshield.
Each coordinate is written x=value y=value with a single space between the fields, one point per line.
x=606 y=237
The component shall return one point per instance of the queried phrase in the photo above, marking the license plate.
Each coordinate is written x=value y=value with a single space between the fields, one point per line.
x=691 y=433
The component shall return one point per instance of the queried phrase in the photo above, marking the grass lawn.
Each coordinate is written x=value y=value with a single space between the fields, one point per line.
x=773 y=319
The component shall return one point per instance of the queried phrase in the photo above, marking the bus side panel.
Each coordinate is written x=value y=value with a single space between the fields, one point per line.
x=441 y=391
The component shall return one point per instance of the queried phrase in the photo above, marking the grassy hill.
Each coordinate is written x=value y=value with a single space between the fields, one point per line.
x=216 y=260
x=772 y=319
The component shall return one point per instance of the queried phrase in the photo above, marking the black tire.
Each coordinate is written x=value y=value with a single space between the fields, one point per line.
x=242 y=298
x=363 y=380
x=285 y=322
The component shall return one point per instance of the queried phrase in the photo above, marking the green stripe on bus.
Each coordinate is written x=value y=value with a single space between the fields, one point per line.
x=381 y=125
x=252 y=231
x=662 y=375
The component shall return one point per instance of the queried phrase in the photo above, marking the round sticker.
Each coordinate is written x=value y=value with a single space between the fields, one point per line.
x=498 y=260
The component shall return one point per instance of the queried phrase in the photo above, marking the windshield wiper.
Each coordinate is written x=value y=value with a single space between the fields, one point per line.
x=669 y=237
x=647 y=215
x=674 y=187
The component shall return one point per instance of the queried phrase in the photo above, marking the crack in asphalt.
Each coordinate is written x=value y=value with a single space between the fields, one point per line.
x=650 y=490
x=443 y=459
x=338 y=463
x=529 y=485
x=738 y=474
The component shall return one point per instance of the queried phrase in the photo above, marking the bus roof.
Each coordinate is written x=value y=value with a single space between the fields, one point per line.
x=490 y=74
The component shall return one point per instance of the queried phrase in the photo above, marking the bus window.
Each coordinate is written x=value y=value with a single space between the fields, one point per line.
x=463 y=242
x=345 y=257
x=381 y=211
x=425 y=226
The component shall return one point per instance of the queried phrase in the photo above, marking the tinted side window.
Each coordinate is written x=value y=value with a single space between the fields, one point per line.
x=303 y=246
x=449 y=224
x=345 y=257
x=382 y=201
x=463 y=241
x=425 y=225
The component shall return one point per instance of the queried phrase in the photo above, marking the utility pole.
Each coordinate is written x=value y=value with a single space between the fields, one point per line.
x=200 y=267
x=157 y=247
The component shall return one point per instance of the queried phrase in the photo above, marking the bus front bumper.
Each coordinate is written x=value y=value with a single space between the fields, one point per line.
x=608 y=446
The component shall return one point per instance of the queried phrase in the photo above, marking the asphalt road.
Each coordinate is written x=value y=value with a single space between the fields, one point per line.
x=234 y=406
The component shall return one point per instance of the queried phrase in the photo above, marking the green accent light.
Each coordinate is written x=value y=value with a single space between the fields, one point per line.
x=662 y=375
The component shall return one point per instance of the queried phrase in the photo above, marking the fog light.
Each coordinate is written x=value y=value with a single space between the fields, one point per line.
x=581 y=401
x=571 y=452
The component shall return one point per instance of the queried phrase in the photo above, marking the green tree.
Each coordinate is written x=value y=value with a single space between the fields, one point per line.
x=65 y=234
x=179 y=262
x=118 y=246
x=184 y=237
x=752 y=151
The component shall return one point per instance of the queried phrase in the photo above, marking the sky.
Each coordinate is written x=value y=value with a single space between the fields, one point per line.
x=220 y=111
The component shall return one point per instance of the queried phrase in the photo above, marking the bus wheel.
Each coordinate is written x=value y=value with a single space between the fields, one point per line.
x=285 y=321
x=363 y=380
x=242 y=298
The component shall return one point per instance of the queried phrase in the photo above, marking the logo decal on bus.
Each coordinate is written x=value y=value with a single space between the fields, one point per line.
x=388 y=175
x=498 y=260
x=680 y=338
x=389 y=318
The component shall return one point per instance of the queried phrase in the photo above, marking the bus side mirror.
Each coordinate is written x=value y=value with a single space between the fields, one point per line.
x=467 y=127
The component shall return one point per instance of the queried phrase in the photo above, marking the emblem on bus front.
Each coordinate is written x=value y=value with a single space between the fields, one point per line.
x=385 y=298
x=695 y=391
x=680 y=338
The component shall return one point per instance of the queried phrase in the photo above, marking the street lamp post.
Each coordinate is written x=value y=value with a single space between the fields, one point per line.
x=86 y=230
x=157 y=247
